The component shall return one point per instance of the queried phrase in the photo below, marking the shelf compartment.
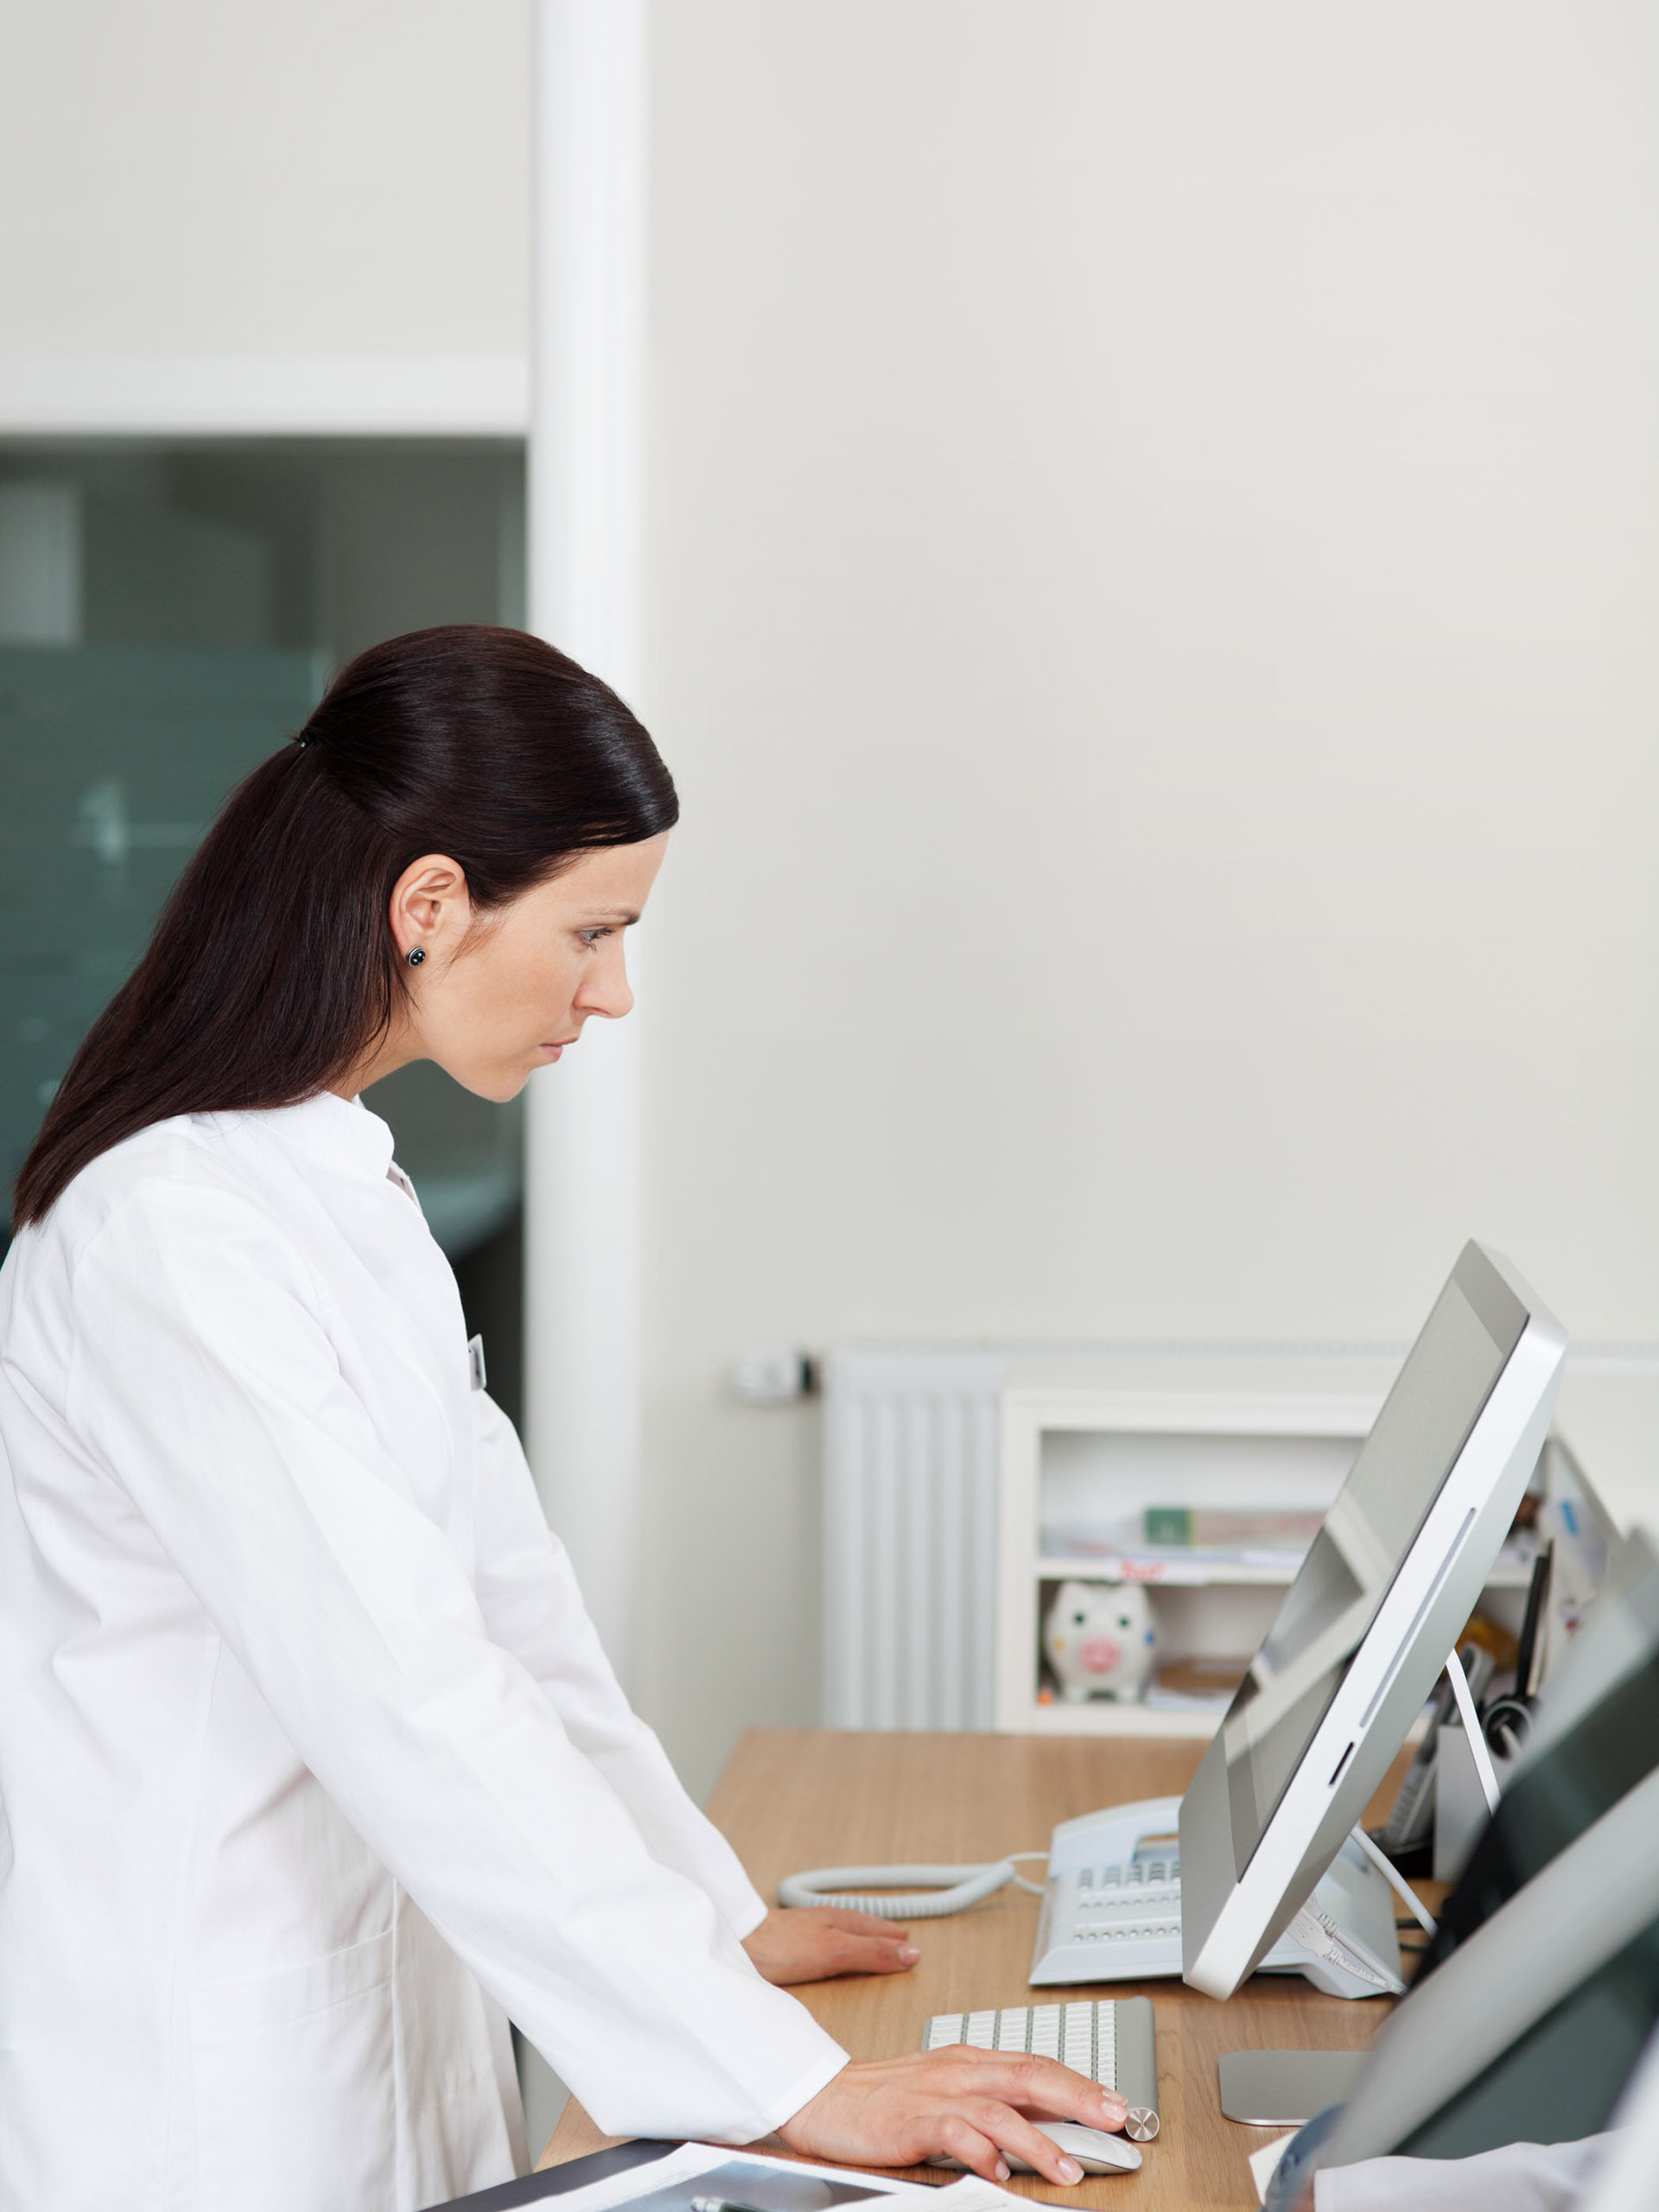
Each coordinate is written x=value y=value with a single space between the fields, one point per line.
x=1257 y=1438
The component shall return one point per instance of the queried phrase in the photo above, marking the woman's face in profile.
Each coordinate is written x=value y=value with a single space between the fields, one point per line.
x=500 y=995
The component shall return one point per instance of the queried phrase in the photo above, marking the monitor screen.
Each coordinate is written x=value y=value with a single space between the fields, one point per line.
x=1437 y=1399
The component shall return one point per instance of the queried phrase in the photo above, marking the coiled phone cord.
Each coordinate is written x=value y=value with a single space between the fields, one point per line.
x=950 y=1889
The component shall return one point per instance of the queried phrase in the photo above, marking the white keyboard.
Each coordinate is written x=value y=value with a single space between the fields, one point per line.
x=1110 y=2042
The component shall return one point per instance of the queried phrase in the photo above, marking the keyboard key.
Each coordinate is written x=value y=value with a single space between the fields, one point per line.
x=1013 y=2028
x=1106 y=2046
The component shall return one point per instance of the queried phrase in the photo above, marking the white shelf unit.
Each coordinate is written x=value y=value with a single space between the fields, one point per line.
x=1262 y=1433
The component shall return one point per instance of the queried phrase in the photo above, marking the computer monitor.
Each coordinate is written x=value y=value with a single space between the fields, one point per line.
x=1532 y=2008
x=1366 y=1627
x=1595 y=1736
x=1530 y=2031
x=1481 y=2054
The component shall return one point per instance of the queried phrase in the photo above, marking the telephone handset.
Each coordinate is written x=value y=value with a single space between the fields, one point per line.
x=1117 y=1835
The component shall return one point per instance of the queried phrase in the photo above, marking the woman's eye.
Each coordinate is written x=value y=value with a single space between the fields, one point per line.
x=592 y=937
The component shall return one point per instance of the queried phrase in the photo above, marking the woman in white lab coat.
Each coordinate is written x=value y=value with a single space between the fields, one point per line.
x=312 y=1769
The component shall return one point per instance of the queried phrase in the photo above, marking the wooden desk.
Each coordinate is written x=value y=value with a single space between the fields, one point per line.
x=793 y=1798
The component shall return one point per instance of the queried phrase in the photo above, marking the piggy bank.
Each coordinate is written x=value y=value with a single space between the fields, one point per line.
x=1098 y=1639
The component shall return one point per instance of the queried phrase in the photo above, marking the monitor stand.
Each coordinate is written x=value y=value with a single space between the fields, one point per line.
x=1284 y=2088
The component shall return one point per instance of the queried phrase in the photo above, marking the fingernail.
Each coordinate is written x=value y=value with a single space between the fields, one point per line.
x=1002 y=2169
x=909 y=1953
x=1113 y=2101
x=1070 y=2170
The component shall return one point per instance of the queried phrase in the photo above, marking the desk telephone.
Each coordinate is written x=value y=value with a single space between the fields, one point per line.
x=1112 y=1904
x=1112 y=1909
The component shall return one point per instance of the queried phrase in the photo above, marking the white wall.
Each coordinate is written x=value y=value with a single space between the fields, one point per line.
x=326 y=176
x=1153 y=537
x=1155 y=531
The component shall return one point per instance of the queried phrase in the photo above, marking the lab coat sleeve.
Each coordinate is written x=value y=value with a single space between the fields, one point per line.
x=532 y=1607
x=206 y=1381
x=1519 y=2177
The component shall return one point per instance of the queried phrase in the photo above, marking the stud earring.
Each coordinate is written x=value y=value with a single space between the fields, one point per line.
x=415 y=957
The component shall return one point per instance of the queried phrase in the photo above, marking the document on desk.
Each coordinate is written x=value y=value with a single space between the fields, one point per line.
x=703 y=2177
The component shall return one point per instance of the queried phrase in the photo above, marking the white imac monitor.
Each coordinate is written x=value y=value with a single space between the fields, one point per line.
x=1367 y=1623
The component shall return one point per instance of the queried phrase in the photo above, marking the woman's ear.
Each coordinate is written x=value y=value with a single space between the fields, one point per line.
x=429 y=909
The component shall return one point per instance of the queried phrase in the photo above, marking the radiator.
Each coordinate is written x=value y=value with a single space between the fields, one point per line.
x=910 y=1536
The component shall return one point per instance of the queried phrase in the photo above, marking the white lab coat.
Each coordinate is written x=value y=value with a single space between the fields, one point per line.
x=1518 y=2177
x=304 y=1733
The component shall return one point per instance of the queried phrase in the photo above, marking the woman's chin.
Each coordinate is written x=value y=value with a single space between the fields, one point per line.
x=497 y=1084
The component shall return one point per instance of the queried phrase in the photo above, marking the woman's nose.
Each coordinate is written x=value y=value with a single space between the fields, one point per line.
x=607 y=994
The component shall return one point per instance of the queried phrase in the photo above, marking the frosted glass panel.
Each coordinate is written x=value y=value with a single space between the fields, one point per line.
x=114 y=759
x=168 y=615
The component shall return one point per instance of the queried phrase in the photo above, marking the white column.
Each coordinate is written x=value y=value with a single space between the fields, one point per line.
x=581 y=1348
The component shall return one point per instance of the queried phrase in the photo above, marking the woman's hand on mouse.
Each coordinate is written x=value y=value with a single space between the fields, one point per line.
x=954 y=2103
x=814 y=1942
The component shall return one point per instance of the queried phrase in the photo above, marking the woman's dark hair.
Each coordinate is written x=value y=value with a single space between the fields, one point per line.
x=273 y=971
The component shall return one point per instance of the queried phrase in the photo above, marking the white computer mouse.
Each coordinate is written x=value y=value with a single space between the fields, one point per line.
x=1095 y=2151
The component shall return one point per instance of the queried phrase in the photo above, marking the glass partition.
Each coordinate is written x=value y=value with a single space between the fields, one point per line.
x=169 y=613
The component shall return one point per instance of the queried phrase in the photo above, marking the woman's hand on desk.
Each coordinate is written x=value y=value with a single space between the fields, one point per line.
x=815 y=1942
x=956 y=2103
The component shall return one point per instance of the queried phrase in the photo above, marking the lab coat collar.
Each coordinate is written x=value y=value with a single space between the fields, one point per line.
x=341 y=1132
